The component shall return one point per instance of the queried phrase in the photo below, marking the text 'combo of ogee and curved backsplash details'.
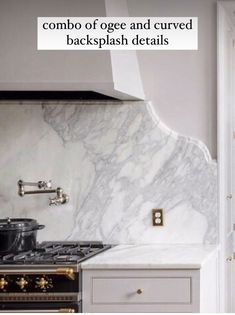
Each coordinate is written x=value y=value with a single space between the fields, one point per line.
x=117 y=33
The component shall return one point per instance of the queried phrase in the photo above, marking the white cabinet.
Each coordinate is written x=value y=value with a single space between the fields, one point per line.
x=141 y=291
x=151 y=278
x=141 y=287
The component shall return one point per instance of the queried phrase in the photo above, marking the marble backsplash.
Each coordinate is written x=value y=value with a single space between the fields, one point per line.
x=117 y=161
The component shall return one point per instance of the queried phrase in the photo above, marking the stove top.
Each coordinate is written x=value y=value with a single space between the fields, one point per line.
x=55 y=253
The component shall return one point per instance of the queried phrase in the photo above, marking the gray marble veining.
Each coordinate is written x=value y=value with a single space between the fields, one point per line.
x=117 y=161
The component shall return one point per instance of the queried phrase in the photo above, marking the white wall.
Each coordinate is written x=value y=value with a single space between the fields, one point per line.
x=182 y=84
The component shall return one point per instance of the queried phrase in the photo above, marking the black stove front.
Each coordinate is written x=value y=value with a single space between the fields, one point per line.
x=45 y=279
x=39 y=307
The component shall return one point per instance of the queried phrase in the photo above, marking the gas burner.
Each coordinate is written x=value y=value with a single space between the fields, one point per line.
x=53 y=253
x=47 y=278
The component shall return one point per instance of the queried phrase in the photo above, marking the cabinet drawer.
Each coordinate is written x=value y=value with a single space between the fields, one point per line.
x=163 y=291
x=141 y=290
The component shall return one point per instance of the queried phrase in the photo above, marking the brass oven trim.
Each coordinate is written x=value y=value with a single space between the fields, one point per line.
x=59 y=310
x=68 y=272
x=38 y=296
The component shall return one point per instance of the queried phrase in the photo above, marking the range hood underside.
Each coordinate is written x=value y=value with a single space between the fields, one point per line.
x=53 y=95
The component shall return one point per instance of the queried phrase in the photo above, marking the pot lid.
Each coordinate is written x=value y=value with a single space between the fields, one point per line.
x=13 y=224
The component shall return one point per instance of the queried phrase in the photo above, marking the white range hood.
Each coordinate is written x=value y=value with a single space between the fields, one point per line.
x=24 y=69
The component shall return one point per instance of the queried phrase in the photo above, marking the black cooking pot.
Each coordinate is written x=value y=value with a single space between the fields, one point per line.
x=17 y=235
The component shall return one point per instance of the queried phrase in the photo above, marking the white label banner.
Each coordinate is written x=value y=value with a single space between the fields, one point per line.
x=117 y=33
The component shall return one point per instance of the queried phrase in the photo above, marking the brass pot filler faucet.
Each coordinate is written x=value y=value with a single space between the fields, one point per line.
x=44 y=188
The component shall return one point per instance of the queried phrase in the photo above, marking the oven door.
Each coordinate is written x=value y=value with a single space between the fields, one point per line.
x=43 y=307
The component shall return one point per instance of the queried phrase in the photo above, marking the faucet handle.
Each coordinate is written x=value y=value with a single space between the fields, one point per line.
x=48 y=184
x=53 y=201
x=59 y=199
x=65 y=198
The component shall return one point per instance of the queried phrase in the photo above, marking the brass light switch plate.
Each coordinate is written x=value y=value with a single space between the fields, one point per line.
x=157 y=217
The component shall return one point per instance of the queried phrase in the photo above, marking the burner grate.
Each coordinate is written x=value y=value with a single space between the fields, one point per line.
x=55 y=253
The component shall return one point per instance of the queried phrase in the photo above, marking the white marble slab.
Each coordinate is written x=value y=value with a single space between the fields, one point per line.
x=153 y=256
x=117 y=161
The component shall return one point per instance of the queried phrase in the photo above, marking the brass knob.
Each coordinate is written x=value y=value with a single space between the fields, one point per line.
x=42 y=283
x=22 y=283
x=3 y=283
x=140 y=291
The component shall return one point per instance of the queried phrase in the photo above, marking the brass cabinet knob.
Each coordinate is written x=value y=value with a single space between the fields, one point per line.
x=42 y=283
x=140 y=291
x=22 y=283
x=3 y=283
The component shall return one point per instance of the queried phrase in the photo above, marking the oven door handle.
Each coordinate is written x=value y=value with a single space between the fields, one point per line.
x=60 y=310
x=68 y=272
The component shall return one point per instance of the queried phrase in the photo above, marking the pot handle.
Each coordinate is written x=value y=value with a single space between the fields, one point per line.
x=39 y=227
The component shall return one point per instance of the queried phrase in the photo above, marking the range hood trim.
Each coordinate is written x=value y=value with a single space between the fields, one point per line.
x=107 y=89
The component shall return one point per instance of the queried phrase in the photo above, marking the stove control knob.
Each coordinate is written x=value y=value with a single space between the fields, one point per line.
x=22 y=283
x=3 y=283
x=43 y=283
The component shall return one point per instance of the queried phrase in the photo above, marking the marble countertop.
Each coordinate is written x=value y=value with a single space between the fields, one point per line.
x=175 y=256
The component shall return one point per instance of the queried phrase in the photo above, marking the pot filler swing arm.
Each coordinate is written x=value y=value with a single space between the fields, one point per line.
x=43 y=188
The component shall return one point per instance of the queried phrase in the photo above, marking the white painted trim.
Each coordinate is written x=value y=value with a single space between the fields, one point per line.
x=223 y=20
x=220 y=140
